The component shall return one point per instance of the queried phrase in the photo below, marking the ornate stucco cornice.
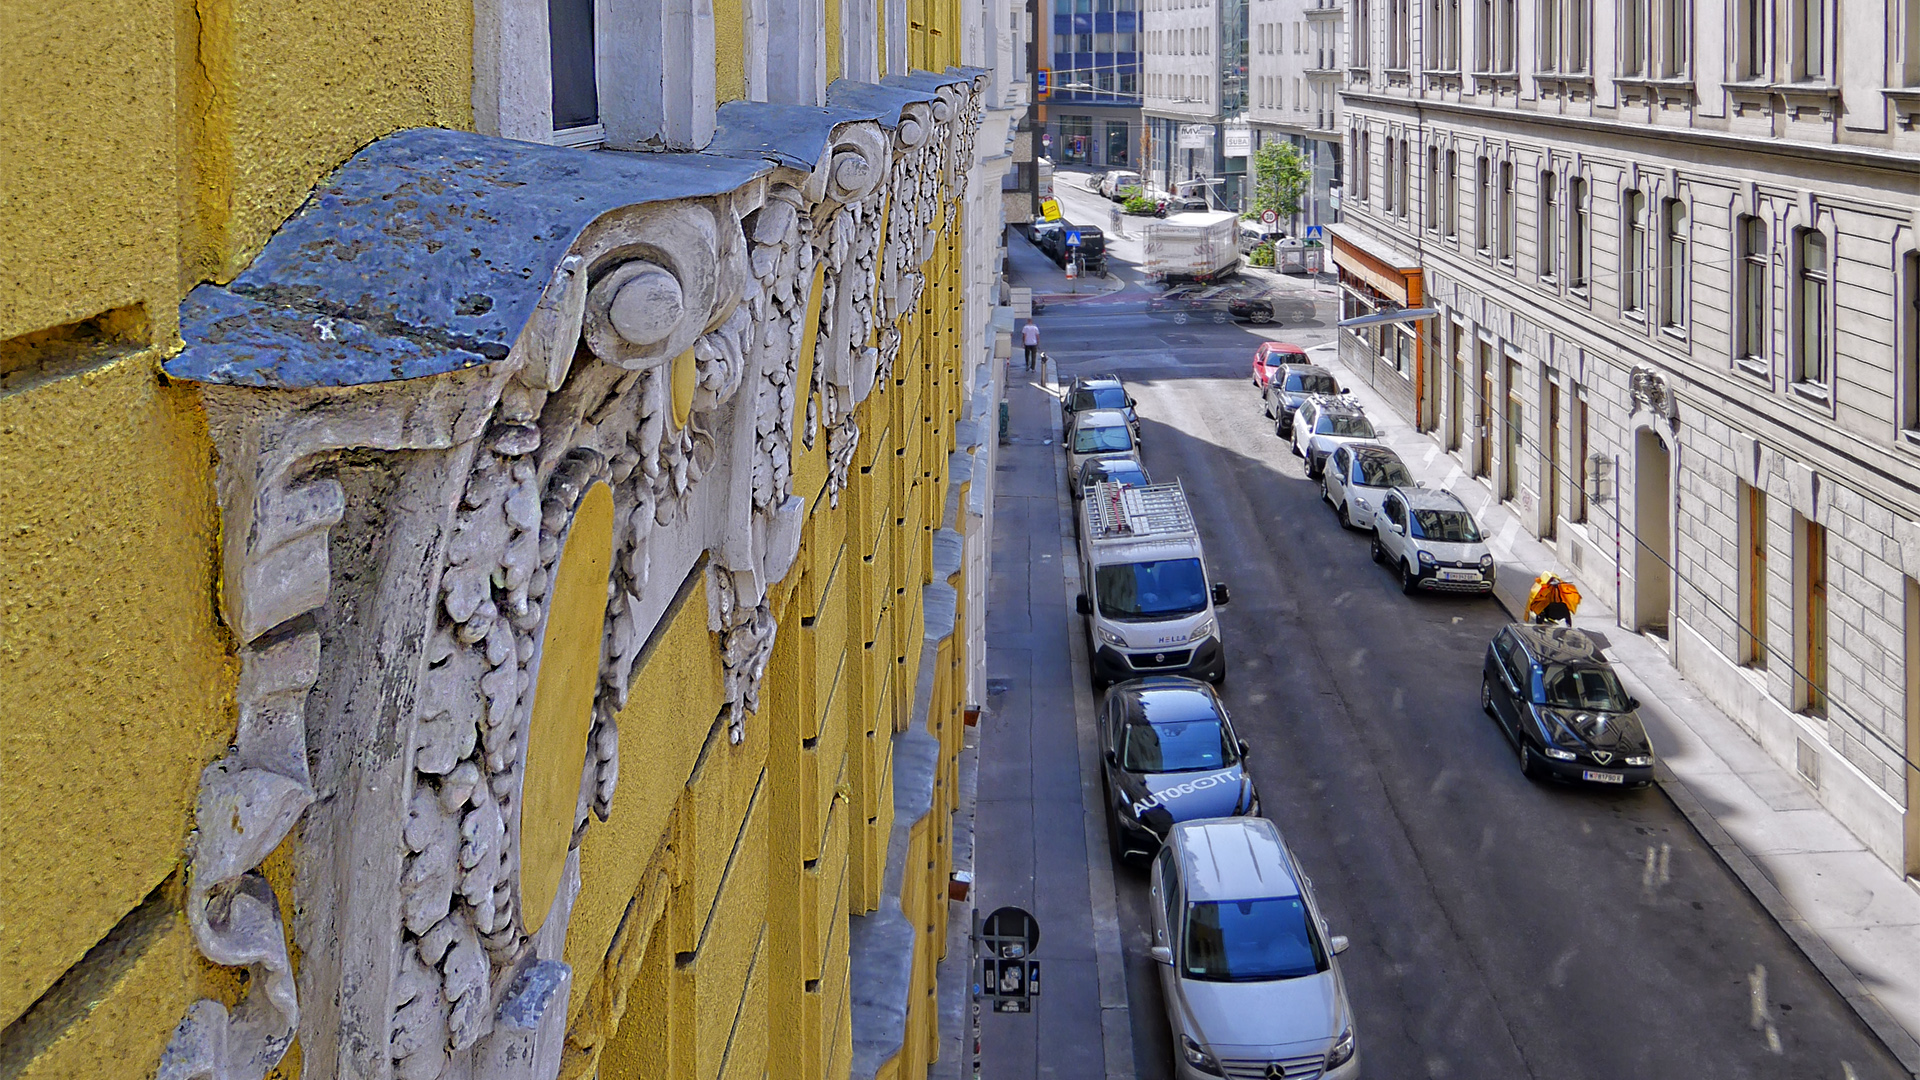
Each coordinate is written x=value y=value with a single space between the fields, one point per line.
x=456 y=344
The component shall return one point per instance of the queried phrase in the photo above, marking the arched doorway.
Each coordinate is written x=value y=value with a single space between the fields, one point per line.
x=1653 y=532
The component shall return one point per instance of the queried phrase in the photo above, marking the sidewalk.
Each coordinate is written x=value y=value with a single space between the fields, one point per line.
x=1853 y=916
x=1049 y=283
x=1035 y=841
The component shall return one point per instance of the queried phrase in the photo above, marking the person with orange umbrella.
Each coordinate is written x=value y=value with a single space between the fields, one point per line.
x=1552 y=600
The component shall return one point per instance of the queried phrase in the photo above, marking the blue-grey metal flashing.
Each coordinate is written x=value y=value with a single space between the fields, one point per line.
x=796 y=136
x=424 y=253
x=884 y=103
x=948 y=548
x=924 y=80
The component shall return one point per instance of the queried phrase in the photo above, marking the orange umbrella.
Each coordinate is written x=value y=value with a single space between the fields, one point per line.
x=1549 y=590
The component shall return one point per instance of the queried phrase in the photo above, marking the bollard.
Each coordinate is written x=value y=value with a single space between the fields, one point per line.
x=1004 y=437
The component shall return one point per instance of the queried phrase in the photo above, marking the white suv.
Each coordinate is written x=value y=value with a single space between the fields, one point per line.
x=1324 y=422
x=1427 y=536
x=1248 y=970
x=1355 y=479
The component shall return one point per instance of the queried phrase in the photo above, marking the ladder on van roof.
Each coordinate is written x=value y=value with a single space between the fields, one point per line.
x=1138 y=513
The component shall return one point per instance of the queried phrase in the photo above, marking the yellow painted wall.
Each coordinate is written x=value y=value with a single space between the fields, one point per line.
x=145 y=146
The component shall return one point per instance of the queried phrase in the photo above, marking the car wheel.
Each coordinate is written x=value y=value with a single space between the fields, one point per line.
x=1486 y=696
x=1181 y=318
x=1379 y=553
x=1409 y=584
x=1113 y=823
x=1263 y=317
x=1527 y=767
x=1346 y=521
x=1266 y=406
x=1221 y=316
x=1325 y=495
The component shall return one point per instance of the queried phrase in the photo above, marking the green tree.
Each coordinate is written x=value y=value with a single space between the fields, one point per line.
x=1280 y=178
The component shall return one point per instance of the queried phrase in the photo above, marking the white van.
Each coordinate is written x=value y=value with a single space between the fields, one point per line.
x=1253 y=233
x=1149 y=603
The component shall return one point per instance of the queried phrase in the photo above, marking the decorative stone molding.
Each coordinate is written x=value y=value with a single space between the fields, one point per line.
x=529 y=324
x=1650 y=391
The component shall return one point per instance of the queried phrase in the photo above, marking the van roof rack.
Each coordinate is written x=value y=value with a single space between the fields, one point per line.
x=1115 y=511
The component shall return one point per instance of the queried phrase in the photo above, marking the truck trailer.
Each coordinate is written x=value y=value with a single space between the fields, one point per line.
x=1198 y=246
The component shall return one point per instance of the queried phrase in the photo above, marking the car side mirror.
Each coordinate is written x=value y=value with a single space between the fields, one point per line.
x=1633 y=703
x=1338 y=943
x=1130 y=403
x=1083 y=605
x=1244 y=748
x=1220 y=594
x=1346 y=389
x=1161 y=954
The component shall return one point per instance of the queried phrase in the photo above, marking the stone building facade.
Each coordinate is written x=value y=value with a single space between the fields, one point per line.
x=500 y=603
x=1674 y=256
x=1194 y=68
x=1297 y=62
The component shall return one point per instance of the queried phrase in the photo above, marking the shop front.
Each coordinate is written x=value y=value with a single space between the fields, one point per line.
x=1375 y=279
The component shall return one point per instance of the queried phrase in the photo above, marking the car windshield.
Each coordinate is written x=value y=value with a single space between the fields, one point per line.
x=1176 y=746
x=1343 y=424
x=1146 y=590
x=1312 y=382
x=1446 y=526
x=1101 y=440
x=1252 y=941
x=1379 y=471
x=1567 y=687
x=1103 y=397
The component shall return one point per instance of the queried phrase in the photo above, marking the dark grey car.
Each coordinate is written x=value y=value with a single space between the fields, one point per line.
x=1170 y=756
x=1566 y=712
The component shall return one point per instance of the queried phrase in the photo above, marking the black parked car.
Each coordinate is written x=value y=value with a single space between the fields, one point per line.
x=1273 y=307
x=1194 y=303
x=1093 y=247
x=1171 y=756
x=1566 y=712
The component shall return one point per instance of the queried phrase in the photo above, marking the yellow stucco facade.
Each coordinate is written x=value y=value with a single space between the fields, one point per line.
x=146 y=147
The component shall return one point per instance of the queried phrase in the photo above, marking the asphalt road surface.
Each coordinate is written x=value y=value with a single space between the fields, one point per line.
x=1501 y=928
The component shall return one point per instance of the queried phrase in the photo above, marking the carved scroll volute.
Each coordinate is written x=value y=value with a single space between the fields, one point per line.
x=852 y=167
x=653 y=296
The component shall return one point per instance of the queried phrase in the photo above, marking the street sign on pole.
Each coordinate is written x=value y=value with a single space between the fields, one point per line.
x=1269 y=216
x=1315 y=232
x=1043 y=81
x=1073 y=237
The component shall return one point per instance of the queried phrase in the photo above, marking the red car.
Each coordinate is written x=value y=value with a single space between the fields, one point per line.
x=1268 y=357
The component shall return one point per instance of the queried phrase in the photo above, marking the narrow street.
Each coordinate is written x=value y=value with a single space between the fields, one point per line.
x=1501 y=928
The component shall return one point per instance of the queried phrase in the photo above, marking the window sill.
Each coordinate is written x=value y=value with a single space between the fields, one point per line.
x=1634 y=315
x=1674 y=333
x=1911 y=437
x=1818 y=393
x=1755 y=367
x=581 y=138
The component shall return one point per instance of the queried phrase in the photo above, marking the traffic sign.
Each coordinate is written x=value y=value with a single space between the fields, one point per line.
x=1043 y=81
x=1050 y=209
x=1269 y=216
x=1315 y=232
x=1073 y=237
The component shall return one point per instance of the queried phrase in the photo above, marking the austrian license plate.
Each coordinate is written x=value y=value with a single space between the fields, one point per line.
x=1459 y=575
x=1602 y=777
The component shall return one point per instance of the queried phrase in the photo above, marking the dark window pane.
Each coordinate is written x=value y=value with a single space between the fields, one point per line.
x=576 y=94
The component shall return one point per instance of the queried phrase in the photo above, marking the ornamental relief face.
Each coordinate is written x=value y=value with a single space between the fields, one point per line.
x=650 y=409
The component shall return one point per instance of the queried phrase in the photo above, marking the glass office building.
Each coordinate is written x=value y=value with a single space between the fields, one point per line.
x=1093 y=112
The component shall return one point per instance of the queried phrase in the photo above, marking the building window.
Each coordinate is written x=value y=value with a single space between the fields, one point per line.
x=1443 y=43
x=1483 y=38
x=1449 y=207
x=1813 y=342
x=1753 y=576
x=1634 y=33
x=1483 y=206
x=1506 y=30
x=1363 y=163
x=1433 y=189
x=576 y=88
x=1549 y=35
x=1755 y=291
x=1908 y=331
x=1583 y=463
x=1810 y=18
x=1503 y=240
x=1386 y=177
x=1575 y=25
x=1399 y=33
x=1810 y=580
x=1673 y=253
x=1633 y=254
x=1362 y=34
x=1753 y=30
x=1549 y=224
x=1577 y=233
x=1676 y=39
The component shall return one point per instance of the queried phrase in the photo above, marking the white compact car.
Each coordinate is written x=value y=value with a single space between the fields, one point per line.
x=1430 y=539
x=1357 y=476
x=1248 y=971
x=1324 y=422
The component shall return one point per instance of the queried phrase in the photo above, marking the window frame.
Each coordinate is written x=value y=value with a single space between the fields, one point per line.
x=1547 y=224
x=1753 y=289
x=1819 y=305
x=1579 y=235
x=1633 y=254
x=1676 y=270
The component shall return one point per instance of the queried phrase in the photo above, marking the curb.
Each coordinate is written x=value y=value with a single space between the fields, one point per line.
x=1110 y=967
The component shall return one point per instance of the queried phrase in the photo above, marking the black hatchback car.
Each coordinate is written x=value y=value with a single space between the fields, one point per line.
x=1171 y=756
x=1563 y=707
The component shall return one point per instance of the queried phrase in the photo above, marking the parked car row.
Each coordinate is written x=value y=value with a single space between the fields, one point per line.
x=1246 y=961
x=1551 y=689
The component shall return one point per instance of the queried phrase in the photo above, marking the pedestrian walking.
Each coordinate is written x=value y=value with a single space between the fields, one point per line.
x=1113 y=219
x=1031 y=337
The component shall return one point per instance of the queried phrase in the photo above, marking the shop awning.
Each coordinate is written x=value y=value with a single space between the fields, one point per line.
x=1386 y=270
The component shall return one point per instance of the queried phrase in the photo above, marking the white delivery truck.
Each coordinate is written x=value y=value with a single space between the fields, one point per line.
x=1198 y=246
x=1149 y=604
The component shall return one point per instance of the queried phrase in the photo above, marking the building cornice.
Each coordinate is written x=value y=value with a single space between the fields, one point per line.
x=1862 y=157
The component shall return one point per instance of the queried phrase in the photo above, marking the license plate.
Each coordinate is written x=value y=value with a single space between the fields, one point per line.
x=1603 y=777
x=1459 y=575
